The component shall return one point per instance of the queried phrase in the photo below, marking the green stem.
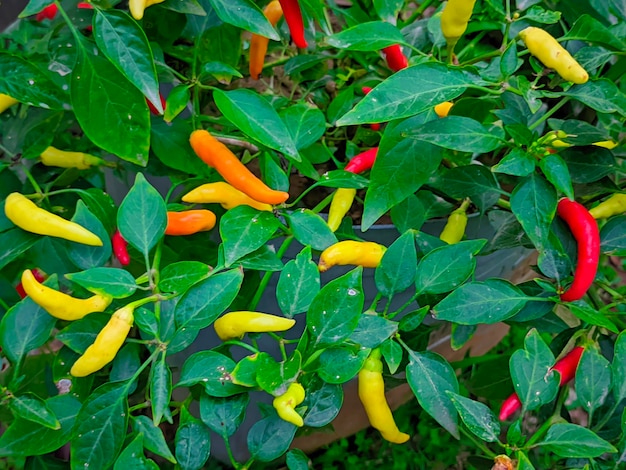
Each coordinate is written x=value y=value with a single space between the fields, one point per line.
x=471 y=44
x=143 y=366
x=4 y=305
x=266 y=277
x=6 y=150
x=418 y=12
x=549 y=114
x=541 y=431
x=481 y=445
x=234 y=342
x=504 y=204
x=605 y=419
x=403 y=307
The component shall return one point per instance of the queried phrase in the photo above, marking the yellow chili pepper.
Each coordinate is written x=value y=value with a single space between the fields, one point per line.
x=339 y=206
x=286 y=403
x=26 y=215
x=442 y=109
x=65 y=159
x=137 y=7
x=455 y=227
x=454 y=18
x=372 y=395
x=225 y=194
x=258 y=44
x=107 y=343
x=236 y=324
x=607 y=144
x=61 y=305
x=366 y=254
x=6 y=102
x=550 y=53
x=614 y=205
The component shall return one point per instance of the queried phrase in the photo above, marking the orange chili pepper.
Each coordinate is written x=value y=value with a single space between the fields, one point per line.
x=215 y=154
x=258 y=44
x=189 y=222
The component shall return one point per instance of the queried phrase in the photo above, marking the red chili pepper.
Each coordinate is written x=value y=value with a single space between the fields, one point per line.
x=362 y=162
x=567 y=370
x=152 y=108
x=120 y=248
x=293 y=17
x=396 y=60
x=47 y=13
x=585 y=230
x=38 y=274
x=85 y=5
x=375 y=126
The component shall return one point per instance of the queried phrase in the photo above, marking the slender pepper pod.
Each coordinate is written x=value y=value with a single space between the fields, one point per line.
x=236 y=324
x=215 y=154
x=362 y=162
x=454 y=19
x=376 y=125
x=614 y=205
x=60 y=305
x=66 y=159
x=26 y=215
x=224 y=194
x=372 y=395
x=454 y=229
x=120 y=248
x=286 y=403
x=566 y=367
x=442 y=109
x=258 y=44
x=107 y=343
x=366 y=254
x=339 y=206
x=138 y=7
x=189 y=222
x=38 y=274
x=47 y=13
x=396 y=60
x=6 y=102
x=293 y=17
x=152 y=108
x=585 y=231
x=550 y=53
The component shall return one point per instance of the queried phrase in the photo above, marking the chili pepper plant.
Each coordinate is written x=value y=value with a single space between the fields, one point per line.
x=176 y=175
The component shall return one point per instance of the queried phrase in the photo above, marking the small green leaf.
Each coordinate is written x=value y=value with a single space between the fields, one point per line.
x=397 y=268
x=270 y=438
x=32 y=408
x=85 y=256
x=297 y=460
x=370 y=36
x=178 y=277
x=372 y=330
x=298 y=284
x=176 y=102
x=477 y=417
x=619 y=368
x=305 y=124
x=192 y=441
x=160 y=391
x=322 y=402
x=337 y=365
x=273 y=376
x=224 y=415
x=555 y=170
x=311 y=230
x=118 y=283
x=593 y=380
x=153 y=438
x=244 y=14
x=211 y=369
x=574 y=441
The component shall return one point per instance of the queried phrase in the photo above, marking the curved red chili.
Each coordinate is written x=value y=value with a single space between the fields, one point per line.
x=567 y=370
x=396 y=60
x=585 y=230
x=120 y=248
x=152 y=108
x=47 y=13
x=362 y=162
x=293 y=17
x=375 y=126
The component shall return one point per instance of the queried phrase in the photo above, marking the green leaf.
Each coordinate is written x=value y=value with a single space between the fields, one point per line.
x=224 y=415
x=342 y=179
x=106 y=106
x=392 y=352
x=618 y=371
x=218 y=70
x=370 y=36
x=24 y=81
x=488 y=301
x=588 y=29
x=555 y=170
x=322 y=402
x=445 y=268
x=170 y=144
x=337 y=365
x=125 y=44
x=523 y=462
x=574 y=441
x=100 y=427
x=32 y=408
x=22 y=438
x=473 y=181
x=154 y=440
x=612 y=236
x=85 y=256
x=262 y=259
x=243 y=230
x=26 y=326
x=592 y=316
x=397 y=269
x=118 y=283
x=431 y=377
x=178 y=277
x=477 y=417
x=341 y=104
x=256 y=117
x=590 y=164
x=132 y=457
x=602 y=95
x=273 y=376
x=176 y=102
x=245 y=15
x=531 y=372
x=270 y=438
x=310 y=229
x=211 y=369
x=126 y=364
x=33 y=7
x=193 y=442
x=298 y=284
x=335 y=310
x=372 y=330
x=457 y=133
x=142 y=216
x=15 y=242
x=593 y=380
x=517 y=163
x=413 y=319
x=533 y=202
x=160 y=391
x=409 y=92
x=80 y=334
x=306 y=124
x=206 y=300
x=297 y=460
